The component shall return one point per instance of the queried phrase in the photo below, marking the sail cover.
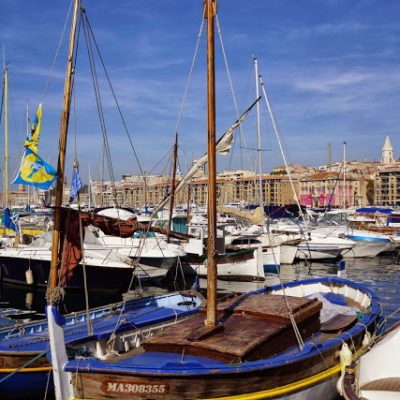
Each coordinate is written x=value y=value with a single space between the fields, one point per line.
x=71 y=250
x=222 y=147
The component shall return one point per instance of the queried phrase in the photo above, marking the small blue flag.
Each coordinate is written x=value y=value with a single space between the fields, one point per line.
x=10 y=220
x=76 y=184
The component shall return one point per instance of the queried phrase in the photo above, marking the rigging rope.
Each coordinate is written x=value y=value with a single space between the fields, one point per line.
x=115 y=98
x=96 y=87
x=280 y=146
x=191 y=71
x=57 y=51
x=230 y=83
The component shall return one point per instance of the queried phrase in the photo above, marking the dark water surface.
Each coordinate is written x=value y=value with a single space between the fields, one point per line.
x=381 y=274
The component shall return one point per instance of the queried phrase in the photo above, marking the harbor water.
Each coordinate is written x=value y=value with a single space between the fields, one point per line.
x=381 y=274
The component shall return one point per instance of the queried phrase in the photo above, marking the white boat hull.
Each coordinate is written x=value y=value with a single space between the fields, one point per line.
x=369 y=248
x=247 y=270
x=288 y=254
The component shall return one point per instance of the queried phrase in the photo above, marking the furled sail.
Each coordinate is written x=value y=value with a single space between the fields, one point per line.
x=222 y=147
x=71 y=251
x=255 y=217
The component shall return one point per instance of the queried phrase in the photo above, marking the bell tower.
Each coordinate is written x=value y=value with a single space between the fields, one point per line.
x=387 y=152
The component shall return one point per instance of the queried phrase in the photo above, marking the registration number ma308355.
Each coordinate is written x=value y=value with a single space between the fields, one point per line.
x=121 y=387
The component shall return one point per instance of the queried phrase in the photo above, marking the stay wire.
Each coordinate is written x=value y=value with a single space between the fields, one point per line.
x=115 y=97
x=57 y=51
x=231 y=84
x=100 y=108
x=191 y=70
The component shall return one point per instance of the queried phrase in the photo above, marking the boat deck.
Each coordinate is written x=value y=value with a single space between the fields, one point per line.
x=249 y=328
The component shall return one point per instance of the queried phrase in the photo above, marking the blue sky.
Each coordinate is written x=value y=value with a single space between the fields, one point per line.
x=331 y=68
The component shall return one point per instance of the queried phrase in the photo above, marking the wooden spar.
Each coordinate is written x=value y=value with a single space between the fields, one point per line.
x=171 y=203
x=211 y=320
x=61 y=155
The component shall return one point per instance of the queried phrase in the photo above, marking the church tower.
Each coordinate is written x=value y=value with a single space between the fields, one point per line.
x=387 y=152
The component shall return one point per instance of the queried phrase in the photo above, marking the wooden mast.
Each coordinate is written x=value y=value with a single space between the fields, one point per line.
x=211 y=321
x=172 y=201
x=61 y=155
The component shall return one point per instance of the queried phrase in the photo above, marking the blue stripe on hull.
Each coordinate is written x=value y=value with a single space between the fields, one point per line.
x=368 y=239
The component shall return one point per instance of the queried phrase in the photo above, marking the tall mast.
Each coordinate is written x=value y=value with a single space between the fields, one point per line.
x=6 y=133
x=171 y=203
x=27 y=135
x=90 y=191
x=344 y=175
x=61 y=154
x=259 y=137
x=211 y=321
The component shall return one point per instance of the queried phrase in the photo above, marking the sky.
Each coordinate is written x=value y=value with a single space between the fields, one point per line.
x=331 y=69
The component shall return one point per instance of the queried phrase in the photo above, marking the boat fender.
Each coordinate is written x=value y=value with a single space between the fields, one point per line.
x=367 y=339
x=346 y=357
x=29 y=300
x=29 y=276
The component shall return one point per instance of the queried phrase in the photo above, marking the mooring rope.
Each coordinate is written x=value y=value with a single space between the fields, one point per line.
x=25 y=365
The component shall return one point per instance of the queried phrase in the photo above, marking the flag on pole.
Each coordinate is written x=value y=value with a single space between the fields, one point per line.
x=76 y=184
x=35 y=171
x=10 y=220
x=32 y=141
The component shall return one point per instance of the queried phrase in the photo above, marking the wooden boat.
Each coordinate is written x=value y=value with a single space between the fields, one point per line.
x=277 y=342
x=252 y=353
x=375 y=373
x=26 y=345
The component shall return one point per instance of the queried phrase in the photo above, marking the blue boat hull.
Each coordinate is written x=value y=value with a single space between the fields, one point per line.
x=25 y=345
x=291 y=374
x=26 y=385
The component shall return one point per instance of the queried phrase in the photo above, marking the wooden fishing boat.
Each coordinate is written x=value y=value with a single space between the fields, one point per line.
x=375 y=373
x=24 y=367
x=278 y=342
x=252 y=353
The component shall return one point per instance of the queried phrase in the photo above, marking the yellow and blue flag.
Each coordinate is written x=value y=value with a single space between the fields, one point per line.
x=32 y=141
x=35 y=171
